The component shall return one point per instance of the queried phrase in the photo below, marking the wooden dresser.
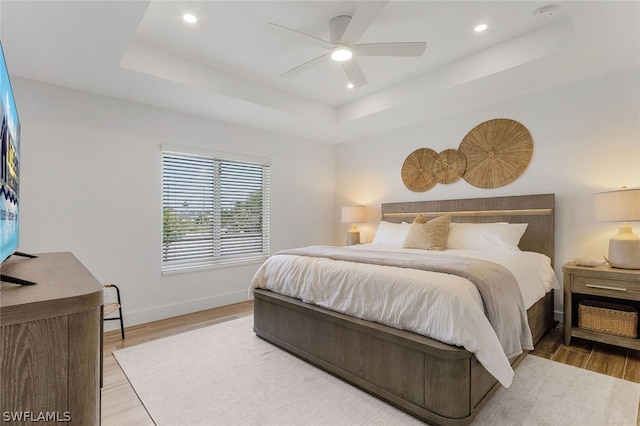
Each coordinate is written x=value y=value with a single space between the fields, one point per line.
x=50 y=342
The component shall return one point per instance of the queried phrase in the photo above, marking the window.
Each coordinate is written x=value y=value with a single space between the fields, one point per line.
x=214 y=210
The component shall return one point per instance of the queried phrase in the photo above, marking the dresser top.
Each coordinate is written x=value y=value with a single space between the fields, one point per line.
x=63 y=286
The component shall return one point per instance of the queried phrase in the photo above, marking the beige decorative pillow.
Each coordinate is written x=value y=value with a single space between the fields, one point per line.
x=431 y=235
x=419 y=219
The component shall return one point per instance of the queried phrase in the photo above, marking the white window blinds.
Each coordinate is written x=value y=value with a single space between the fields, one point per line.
x=214 y=211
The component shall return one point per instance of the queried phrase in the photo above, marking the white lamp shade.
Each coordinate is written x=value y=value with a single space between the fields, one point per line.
x=618 y=206
x=621 y=206
x=354 y=214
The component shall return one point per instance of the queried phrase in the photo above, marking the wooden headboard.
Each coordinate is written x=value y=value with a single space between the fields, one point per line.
x=536 y=210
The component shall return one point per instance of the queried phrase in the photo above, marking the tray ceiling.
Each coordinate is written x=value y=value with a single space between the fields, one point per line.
x=227 y=65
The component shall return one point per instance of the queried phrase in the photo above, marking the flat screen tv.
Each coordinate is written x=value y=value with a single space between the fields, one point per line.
x=9 y=173
x=9 y=165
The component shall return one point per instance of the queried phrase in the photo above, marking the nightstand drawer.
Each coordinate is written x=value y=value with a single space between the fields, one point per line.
x=604 y=287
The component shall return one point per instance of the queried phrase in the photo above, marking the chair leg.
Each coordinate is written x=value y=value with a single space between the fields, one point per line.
x=121 y=324
x=119 y=310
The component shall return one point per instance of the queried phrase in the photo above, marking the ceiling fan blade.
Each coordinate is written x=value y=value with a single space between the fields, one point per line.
x=366 y=13
x=307 y=37
x=354 y=73
x=408 y=48
x=307 y=65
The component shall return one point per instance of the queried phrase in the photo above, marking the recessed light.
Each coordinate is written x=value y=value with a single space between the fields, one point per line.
x=480 y=28
x=350 y=86
x=188 y=17
x=341 y=54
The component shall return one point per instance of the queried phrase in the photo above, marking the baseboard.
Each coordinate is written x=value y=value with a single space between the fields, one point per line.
x=558 y=316
x=176 y=309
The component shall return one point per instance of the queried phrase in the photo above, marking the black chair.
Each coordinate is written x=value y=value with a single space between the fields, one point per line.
x=111 y=307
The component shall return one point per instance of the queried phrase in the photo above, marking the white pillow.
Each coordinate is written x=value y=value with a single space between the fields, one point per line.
x=485 y=236
x=391 y=233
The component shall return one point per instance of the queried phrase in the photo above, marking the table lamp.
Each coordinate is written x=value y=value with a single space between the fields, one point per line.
x=621 y=206
x=353 y=215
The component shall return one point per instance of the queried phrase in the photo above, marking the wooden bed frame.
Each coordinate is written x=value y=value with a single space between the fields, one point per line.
x=433 y=381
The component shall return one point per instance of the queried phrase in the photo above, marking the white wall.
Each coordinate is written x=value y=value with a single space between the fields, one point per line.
x=91 y=184
x=586 y=139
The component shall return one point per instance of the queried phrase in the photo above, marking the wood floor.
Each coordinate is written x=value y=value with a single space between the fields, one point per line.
x=121 y=406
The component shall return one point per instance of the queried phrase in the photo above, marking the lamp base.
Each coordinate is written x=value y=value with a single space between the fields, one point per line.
x=624 y=253
x=353 y=238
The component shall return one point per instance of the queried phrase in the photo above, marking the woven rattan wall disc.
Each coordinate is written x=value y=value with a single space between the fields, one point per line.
x=497 y=152
x=449 y=166
x=416 y=170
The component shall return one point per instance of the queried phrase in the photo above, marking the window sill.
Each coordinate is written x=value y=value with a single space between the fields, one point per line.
x=181 y=269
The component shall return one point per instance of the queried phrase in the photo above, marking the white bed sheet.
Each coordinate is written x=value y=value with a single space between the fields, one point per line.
x=445 y=307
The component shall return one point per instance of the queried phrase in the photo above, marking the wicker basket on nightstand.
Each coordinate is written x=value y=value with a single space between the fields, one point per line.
x=611 y=318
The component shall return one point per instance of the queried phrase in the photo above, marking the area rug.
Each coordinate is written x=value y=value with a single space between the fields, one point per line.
x=225 y=375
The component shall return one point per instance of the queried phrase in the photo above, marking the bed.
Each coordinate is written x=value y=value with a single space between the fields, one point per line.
x=439 y=383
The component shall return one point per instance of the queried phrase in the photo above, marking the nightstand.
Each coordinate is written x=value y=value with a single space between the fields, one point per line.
x=602 y=283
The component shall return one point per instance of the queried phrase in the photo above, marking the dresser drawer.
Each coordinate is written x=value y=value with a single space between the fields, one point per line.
x=605 y=287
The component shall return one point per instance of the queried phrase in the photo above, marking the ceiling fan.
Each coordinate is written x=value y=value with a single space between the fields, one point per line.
x=344 y=32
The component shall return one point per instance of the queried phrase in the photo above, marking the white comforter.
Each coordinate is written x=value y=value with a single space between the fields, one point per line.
x=445 y=307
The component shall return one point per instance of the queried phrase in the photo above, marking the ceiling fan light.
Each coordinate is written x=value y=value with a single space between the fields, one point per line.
x=480 y=28
x=341 y=54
